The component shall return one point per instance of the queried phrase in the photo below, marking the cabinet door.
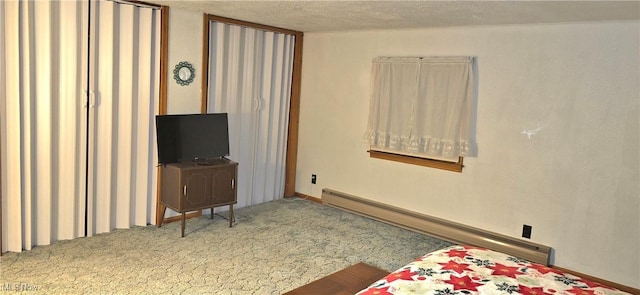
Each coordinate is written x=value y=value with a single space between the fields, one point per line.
x=196 y=189
x=224 y=185
x=171 y=192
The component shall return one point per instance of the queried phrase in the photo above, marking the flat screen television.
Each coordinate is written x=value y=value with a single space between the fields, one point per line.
x=192 y=137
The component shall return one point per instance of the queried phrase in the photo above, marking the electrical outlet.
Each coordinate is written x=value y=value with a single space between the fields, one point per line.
x=526 y=231
x=313 y=178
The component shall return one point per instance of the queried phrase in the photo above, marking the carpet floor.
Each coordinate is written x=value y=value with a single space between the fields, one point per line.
x=272 y=248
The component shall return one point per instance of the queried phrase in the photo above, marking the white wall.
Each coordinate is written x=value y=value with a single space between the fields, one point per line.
x=576 y=181
x=185 y=44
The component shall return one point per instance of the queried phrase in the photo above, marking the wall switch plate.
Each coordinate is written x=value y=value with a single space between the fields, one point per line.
x=526 y=231
x=313 y=178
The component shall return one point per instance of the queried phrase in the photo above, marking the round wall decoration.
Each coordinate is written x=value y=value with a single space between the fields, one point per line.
x=184 y=73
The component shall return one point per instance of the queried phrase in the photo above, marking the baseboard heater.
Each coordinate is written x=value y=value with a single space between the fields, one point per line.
x=437 y=227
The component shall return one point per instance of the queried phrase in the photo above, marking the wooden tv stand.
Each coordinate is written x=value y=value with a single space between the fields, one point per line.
x=189 y=186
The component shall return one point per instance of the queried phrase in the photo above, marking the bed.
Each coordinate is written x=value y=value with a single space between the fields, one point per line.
x=465 y=270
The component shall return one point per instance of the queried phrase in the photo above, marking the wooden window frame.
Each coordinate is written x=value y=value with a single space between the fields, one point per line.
x=426 y=162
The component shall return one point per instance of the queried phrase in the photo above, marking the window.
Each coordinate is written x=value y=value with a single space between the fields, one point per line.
x=422 y=110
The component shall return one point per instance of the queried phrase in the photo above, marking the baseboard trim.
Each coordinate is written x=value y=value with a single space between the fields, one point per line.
x=437 y=227
x=307 y=197
x=599 y=280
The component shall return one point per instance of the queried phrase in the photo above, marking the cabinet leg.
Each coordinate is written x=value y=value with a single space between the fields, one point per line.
x=211 y=212
x=161 y=219
x=183 y=220
x=230 y=215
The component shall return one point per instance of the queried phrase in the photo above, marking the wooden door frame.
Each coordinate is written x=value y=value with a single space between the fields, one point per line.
x=162 y=104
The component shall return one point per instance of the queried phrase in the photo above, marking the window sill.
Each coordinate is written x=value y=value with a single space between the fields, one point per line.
x=437 y=164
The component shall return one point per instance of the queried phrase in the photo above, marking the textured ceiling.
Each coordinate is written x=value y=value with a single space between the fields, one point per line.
x=318 y=16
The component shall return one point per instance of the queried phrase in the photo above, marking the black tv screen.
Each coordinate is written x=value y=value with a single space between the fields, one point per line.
x=193 y=137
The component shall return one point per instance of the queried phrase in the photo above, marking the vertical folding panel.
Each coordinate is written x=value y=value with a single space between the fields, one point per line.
x=45 y=118
x=122 y=135
x=69 y=117
x=102 y=134
x=250 y=78
x=123 y=115
x=41 y=105
x=10 y=127
x=146 y=103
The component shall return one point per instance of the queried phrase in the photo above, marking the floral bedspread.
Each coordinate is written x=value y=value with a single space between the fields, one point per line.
x=465 y=270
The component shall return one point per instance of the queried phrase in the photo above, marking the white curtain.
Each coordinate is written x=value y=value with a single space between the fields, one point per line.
x=45 y=120
x=250 y=73
x=423 y=106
